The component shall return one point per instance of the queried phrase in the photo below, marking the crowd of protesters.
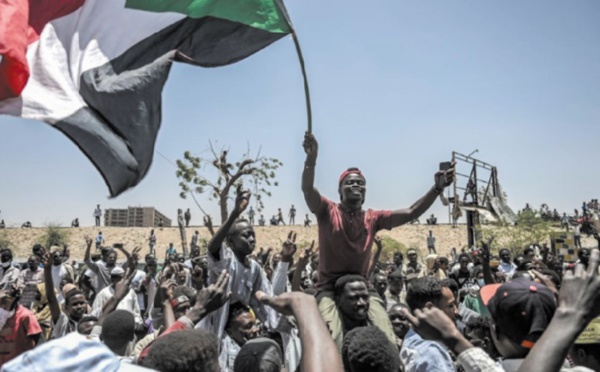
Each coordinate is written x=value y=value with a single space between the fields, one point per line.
x=330 y=306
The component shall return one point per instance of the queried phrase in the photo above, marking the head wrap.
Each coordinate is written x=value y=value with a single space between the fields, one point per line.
x=348 y=172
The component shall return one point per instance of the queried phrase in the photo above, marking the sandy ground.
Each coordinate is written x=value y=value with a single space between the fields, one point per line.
x=22 y=240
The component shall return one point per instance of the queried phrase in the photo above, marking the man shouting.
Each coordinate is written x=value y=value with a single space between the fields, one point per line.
x=346 y=233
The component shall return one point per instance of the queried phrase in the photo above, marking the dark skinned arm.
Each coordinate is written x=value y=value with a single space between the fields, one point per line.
x=215 y=243
x=166 y=294
x=87 y=256
x=375 y=257
x=319 y=352
x=210 y=299
x=52 y=300
x=443 y=179
x=579 y=303
x=487 y=271
x=302 y=262
x=311 y=194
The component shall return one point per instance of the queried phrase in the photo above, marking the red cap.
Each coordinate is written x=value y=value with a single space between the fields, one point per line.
x=349 y=171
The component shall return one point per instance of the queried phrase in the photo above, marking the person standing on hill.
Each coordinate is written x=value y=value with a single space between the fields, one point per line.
x=347 y=231
x=280 y=217
x=188 y=217
x=99 y=240
x=97 y=214
x=431 y=243
x=181 y=224
x=152 y=242
x=292 y=215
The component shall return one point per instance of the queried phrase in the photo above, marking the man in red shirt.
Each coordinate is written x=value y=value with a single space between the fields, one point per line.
x=19 y=328
x=347 y=231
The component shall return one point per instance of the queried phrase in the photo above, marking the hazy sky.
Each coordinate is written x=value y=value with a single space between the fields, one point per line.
x=396 y=87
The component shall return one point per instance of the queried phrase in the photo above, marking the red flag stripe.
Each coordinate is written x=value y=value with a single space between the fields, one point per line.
x=21 y=22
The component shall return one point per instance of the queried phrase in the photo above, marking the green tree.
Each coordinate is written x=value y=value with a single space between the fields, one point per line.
x=216 y=176
x=389 y=247
x=54 y=236
x=530 y=228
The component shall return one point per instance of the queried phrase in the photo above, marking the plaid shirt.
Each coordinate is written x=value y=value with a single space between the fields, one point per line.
x=28 y=281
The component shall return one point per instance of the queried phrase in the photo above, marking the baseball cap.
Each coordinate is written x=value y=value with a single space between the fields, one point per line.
x=521 y=309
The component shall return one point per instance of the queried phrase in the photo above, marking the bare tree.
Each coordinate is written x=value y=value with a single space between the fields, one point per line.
x=216 y=176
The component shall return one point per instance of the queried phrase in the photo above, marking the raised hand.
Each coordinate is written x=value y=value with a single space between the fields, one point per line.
x=166 y=289
x=431 y=324
x=242 y=199
x=215 y=296
x=308 y=252
x=197 y=277
x=580 y=291
x=378 y=242
x=289 y=247
x=45 y=258
x=285 y=303
x=88 y=240
x=485 y=249
x=311 y=148
x=123 y=286
x=119 y=247
x=445 y=178
x=545 y=281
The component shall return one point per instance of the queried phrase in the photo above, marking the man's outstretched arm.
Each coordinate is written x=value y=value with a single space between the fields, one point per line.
x=319 y=352
x=443 y=179
x=311 y=194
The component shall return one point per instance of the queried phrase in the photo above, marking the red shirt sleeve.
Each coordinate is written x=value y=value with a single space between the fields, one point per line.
x=177 y=326
x=32 y=327
x=383 y=219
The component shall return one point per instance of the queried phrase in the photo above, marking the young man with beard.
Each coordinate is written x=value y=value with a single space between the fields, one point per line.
x=128 y=303
x=240 y=328
x=347 y=231
x=352 y=299
x=102 y=268
x=60 y=270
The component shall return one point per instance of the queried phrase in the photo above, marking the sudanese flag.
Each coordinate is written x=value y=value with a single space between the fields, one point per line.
x=95 y=69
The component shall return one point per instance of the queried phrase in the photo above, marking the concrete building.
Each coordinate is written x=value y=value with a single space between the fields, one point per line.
x=135 y=217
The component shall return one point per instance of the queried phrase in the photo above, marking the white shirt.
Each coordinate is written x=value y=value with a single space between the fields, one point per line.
x=8 y=276
x=229 y=351
x=244 y=282
x=129 y=303
x=136 y=285
x=507 y=268
x=59 y=272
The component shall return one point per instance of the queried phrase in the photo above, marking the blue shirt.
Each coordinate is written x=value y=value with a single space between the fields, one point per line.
x=419 y=355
